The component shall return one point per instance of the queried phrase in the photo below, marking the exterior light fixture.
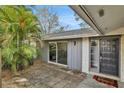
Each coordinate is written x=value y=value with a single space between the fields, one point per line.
x=101 y=12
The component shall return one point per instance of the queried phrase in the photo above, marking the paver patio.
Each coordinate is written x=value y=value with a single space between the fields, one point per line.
x=44 y=75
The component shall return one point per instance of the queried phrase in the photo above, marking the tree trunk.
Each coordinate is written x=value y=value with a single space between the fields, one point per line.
x=13 y=68
x=0 y=69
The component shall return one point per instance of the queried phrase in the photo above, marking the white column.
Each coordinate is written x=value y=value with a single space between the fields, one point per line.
x=56 y=52
x=85 y=55
x=122 y=60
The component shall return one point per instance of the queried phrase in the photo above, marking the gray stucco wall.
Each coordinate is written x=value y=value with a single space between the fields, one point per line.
x=75 y=54
x=45 y=50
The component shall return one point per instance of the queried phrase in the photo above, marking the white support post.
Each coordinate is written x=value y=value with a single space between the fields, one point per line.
x=122 y=59
x=85 y=55
x=56 y=52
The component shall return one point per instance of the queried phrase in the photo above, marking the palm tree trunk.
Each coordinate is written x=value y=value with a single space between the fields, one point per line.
x=13 y=68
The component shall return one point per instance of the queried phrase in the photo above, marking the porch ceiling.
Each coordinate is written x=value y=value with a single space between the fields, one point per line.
x=103 y=18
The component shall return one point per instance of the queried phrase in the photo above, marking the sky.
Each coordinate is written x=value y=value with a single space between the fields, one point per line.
x=66 y=15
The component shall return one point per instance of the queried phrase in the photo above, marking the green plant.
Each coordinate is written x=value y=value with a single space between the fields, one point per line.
x=18 y=28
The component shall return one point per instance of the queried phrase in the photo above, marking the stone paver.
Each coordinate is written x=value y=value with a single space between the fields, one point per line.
x=47 y=75
x=44 y=75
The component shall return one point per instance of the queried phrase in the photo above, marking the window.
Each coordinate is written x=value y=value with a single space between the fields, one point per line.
x=94 y=55
x=58 y=52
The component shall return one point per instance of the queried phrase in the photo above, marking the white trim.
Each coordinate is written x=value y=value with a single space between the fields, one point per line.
x=57 y=64
x=121 y=59
x=56 y=52
x=48 y=53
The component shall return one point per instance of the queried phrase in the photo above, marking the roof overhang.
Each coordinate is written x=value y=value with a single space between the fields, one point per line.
x=111 y=18
x=69 y=37
x=72 y=34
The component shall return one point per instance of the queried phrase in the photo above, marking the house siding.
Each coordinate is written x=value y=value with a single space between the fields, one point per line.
x=74 y=53
x=74 y=56
x=78 y=56
x=45 y=51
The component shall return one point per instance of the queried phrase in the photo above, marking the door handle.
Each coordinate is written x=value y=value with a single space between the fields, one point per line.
x=101 y=57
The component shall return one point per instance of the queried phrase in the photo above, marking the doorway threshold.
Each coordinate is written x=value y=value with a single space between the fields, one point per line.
x=57 y=64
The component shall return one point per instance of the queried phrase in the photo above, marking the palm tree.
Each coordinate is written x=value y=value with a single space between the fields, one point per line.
x=18 y=28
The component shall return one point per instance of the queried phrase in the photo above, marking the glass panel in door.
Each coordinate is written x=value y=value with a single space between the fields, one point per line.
x=94 y=55
x=52 y=52
x=109 y=56
x=62 y=52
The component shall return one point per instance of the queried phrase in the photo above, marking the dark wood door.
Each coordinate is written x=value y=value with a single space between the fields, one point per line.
x=109 y=56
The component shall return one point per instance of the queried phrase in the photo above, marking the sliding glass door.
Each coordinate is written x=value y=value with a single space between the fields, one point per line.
x=58 y=52
x=62 y=52
x=52 y=52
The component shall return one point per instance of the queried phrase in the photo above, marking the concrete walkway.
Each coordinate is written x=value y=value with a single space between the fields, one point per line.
x=88 y=82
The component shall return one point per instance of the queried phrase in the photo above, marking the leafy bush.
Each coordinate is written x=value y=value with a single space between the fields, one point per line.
x=18 y=27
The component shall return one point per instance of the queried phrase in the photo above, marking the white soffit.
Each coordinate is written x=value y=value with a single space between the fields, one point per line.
x=112 y=18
